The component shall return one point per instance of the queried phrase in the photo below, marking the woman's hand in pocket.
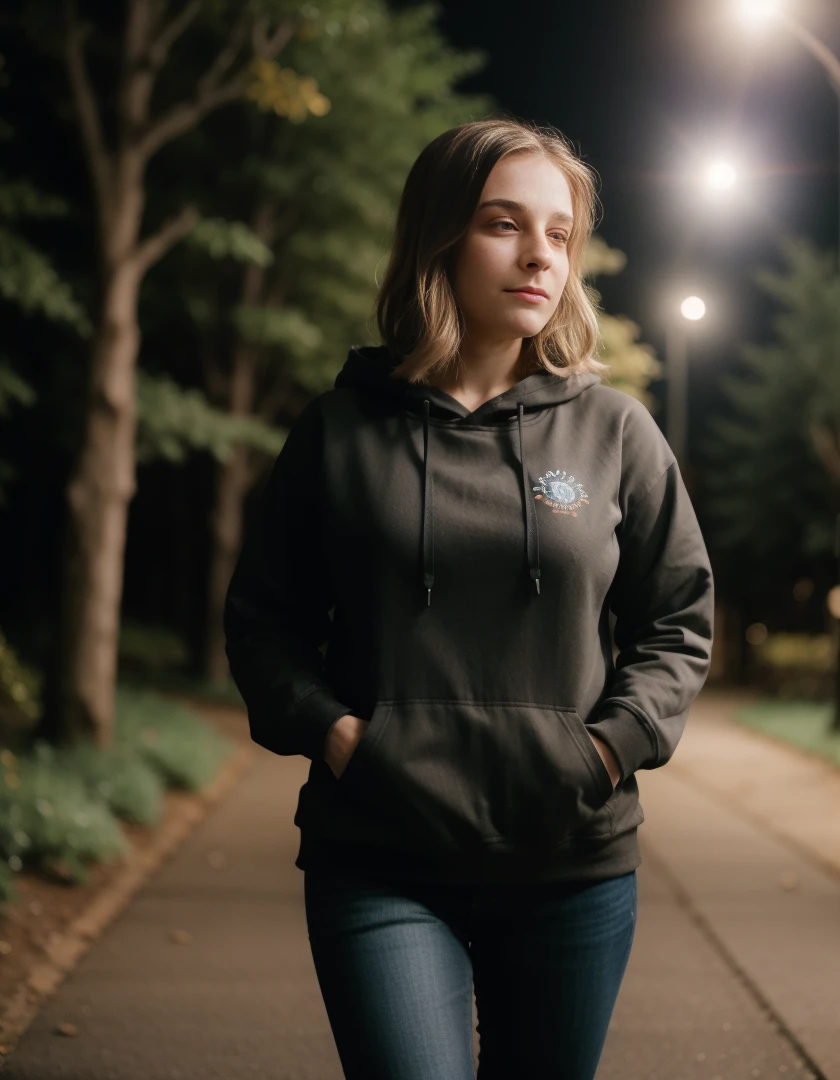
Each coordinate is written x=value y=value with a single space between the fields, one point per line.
x=608 y=757
x=341 y=741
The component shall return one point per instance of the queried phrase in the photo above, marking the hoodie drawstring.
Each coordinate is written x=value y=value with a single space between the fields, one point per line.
x=532 y=536
x=532 y=533
x=428 y=512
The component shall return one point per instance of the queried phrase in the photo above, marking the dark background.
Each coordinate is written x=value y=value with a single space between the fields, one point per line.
x=650 y=91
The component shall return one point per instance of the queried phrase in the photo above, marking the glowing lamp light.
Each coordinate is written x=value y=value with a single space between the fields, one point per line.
x=720 y=176
x=757 y=12
x=692 y=308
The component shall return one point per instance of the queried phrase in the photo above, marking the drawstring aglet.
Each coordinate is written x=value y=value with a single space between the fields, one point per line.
x=537 y=583
x=428 y=597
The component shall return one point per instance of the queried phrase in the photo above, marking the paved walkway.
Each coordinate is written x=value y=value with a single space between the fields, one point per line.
x=734 y=973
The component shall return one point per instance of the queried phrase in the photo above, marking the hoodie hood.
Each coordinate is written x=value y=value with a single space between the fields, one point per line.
x=368 y=368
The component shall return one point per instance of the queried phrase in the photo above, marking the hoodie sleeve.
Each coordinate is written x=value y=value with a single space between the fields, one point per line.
x=663 y=599
x=278 y=602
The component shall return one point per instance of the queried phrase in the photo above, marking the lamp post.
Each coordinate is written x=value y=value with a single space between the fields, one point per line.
x=691 y=309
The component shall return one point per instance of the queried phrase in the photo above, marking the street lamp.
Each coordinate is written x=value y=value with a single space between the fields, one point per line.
x=756 y=13
x=691 y=309
x=721 y=176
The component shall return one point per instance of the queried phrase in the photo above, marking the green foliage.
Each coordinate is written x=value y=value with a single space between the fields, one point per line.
x=20 y=685
x=29 y=280
x=285 y=327
x=331 y=184
x=50 y=819
x=392 y=79
x=170 y=737
x=768 y=491
x=796 y=665
x=59 y=806
x=172 y=422
x=801 y=652
x=633 y=364
x=13 y=388
x=27 y=276
x=130 y=785
x=230 y=239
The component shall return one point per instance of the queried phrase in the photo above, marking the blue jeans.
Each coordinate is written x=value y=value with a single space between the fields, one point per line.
x=397 y=965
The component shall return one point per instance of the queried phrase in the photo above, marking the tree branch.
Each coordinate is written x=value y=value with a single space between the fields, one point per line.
x=137 y=76
x=211 y=92
x=98 y=158
x=154 y=247
x=170 y=33
x=184 y=117
x=254 y=464
x=226 y=55
x=267 y=45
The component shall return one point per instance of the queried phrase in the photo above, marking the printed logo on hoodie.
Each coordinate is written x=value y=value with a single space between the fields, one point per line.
x=561 y=493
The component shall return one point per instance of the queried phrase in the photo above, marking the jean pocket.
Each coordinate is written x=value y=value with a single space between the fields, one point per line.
x=474 y=773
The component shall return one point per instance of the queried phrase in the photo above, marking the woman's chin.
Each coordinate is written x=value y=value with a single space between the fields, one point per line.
x=517 y=327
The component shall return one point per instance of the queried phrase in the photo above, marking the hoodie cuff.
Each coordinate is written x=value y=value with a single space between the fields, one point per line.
x=626 y=736
x=313 y=719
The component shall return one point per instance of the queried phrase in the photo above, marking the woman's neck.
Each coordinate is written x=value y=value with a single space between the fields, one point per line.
x=478 y=378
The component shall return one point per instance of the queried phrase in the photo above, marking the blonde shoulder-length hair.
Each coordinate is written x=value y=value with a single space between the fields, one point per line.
x=417 y=314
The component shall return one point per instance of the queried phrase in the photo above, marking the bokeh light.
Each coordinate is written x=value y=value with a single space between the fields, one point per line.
x=756 y=13
x=692 y=308
x=721 y=176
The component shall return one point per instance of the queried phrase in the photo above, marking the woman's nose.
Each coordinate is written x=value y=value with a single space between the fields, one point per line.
x=538 y=253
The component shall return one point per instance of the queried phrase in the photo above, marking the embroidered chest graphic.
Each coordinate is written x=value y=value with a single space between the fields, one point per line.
x=560 y=491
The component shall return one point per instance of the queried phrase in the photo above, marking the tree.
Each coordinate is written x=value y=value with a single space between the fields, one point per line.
x=773 y=467
x=121 y=133
x=321 y=198
x=633 y=364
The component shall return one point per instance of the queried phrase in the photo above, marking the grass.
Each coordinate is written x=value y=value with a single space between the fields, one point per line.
x=805 y=724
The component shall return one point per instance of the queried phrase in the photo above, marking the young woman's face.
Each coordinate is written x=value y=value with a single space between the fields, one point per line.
x=520 y=243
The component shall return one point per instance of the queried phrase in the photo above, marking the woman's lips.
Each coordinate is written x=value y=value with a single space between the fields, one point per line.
x=535 y=298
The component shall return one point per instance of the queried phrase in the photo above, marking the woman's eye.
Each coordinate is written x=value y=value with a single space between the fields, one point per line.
x=559 y=236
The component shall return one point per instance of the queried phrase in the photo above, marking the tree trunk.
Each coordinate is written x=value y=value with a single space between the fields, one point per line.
x=80 y=696
x=236 y=475
x=234 y=480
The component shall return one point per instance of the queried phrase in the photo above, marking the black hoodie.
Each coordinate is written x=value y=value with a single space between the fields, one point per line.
x=470 y=561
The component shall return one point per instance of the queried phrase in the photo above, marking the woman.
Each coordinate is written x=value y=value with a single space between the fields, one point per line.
x=471 y=502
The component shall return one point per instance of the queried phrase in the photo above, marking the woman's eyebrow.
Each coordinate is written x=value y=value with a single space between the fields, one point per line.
x=512 y=204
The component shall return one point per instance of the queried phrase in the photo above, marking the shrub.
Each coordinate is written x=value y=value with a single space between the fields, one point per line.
x=59 y=806
x=20 y=687
x=796 y=665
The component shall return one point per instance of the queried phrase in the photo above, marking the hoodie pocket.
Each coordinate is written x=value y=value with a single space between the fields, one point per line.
x=469 y=773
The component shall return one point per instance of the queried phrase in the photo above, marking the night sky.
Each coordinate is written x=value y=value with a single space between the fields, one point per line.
x=650 y=91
